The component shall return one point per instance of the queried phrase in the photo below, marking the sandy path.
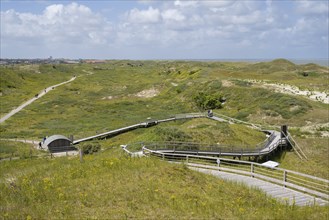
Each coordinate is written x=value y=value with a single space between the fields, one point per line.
x=42 y=93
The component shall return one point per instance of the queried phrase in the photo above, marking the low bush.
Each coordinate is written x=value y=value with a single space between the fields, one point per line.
x=208 y=101
x=90 y=148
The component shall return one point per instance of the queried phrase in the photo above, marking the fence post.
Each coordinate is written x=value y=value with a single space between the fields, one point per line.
x=252 y=170
x=284 y=178
x=81 y=156
x=186 y=158
x=163 y=157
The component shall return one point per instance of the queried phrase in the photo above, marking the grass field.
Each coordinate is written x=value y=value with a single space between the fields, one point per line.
x=112 y=185
x=120 y=93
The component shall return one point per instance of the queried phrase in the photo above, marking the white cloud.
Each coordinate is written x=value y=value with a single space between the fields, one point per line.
x=150 y=15
x=58 y=24
x=313 y=7
x=185 y=3
x=217 y=4
x=173 y=14
x=171 y=27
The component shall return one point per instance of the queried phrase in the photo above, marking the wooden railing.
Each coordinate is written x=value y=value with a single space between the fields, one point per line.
x=312 y=185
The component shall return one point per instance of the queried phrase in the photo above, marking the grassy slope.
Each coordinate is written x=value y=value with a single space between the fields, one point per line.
x=79 y=108
x=20 y=83
x=16 y=149
x=111 y=185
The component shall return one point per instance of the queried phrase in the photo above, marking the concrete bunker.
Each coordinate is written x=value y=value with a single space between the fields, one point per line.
x=58 y=143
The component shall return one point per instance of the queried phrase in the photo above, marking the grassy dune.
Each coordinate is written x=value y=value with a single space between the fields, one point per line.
x=119 y=93
x=112 y=185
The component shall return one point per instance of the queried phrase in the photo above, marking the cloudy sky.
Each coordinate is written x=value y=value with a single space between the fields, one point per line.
x=149 y=29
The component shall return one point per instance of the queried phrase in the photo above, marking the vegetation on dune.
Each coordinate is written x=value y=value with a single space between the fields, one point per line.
x=120 y=93
x=12 y=149
x=90 y=147
x=208 y=101
x=20 y=83
x=113 y=185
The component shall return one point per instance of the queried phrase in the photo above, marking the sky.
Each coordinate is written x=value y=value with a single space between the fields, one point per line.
x=177 y=29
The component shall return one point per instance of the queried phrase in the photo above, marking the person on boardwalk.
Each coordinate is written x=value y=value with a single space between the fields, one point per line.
x=210 y=114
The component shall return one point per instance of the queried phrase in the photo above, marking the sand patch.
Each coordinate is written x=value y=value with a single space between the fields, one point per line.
x=293 y=90
x=108 y=97
x=294 y=108
x=148 y=93
x=323 y=129
x=227 y=83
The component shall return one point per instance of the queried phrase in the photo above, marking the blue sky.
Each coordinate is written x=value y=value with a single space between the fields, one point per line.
x=149 y=29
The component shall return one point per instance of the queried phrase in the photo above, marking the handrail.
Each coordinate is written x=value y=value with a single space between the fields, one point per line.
x=295 y=146
x=237 y=120
x=198 y=148
x=142 y=125
x=312 y=185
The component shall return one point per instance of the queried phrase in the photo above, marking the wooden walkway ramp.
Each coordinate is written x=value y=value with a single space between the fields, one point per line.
x=283 y=194
x=287 y=185
x=141 y=125
x=271 y=144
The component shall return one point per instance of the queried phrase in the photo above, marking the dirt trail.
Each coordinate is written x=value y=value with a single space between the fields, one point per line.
x=42 y=93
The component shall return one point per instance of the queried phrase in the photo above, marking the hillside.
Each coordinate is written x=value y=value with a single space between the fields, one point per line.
x=120 y=93
x=112 y=185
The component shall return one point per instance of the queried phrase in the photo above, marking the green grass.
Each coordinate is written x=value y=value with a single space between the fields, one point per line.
x=112 y=185
x=12 y=149
x=201 y=131
x=317 y=151
x=20 y=83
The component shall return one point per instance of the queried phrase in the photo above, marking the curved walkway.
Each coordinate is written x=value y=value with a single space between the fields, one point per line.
x=268 y=146
x=42 y=93
x=278 y=183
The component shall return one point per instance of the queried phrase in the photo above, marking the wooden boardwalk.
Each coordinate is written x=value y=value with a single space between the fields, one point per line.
x=281 y=193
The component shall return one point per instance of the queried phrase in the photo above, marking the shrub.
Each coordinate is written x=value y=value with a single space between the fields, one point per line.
x=208 y=101
x=90 y=148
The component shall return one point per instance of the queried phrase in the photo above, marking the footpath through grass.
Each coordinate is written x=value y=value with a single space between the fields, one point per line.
x=112 y=185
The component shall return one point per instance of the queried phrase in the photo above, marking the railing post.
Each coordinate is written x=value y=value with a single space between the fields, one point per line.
x=252 y=170
x=163 y=156
x=81 y=155
x=284 y=178
x=186 y=158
